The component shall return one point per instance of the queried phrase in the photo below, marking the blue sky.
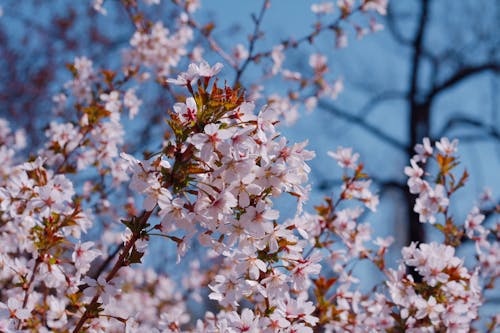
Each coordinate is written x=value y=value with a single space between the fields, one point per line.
x=375 y=63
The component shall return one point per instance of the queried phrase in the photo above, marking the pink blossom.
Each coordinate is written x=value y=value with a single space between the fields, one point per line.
x=322 y=8
x=447 y=147
x=344 y=157
x=423 y=151
x=83 y=255
x=132 y=102
x=14 y=309
x=378 y=5
x=187 y=111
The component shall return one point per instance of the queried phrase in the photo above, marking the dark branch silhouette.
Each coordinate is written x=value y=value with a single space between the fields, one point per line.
x=461 y=75
x=361 y=122
x=431 y=74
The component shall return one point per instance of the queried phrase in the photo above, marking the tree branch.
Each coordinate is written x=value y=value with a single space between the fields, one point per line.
x=462 y=74
x=121 y=262
x=417 y=50
x=488 y=130
x=383 y=184
x=393 y=28
x=253 y=39
x=361 y=122
x=492 y=211
x=380 y=98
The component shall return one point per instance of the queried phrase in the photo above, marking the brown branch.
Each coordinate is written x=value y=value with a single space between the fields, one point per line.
x=121 y=262
x=30 y=283
x=309 y=38
x=106 y=262
x=28 y=286
x=252 y=40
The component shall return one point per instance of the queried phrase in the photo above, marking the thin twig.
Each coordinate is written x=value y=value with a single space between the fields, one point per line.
x=252 y=41
x=106 y=262
x=361 y=122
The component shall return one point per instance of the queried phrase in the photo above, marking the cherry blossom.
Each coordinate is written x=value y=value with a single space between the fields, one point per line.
x=79 y=217
x=447 y=147
x=345 y=157
x=379 y=5
x=423 y=151
x=322 y=7
x=132 y=102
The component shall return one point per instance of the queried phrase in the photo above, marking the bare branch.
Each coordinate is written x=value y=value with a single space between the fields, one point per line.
x=492 y=211
x=383 y=184
x=462 y=74
x=417 y=50
x=361 y=122
x=394 y=29
x=378 y=99
x=252 y=40
x=487 y=131
x=390 y=184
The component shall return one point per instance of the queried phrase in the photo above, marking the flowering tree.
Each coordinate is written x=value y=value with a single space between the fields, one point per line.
x=422 y=89
x=213 y=178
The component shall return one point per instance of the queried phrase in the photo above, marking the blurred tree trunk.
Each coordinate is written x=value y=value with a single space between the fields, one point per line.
x=442 y=52
x=419 y=126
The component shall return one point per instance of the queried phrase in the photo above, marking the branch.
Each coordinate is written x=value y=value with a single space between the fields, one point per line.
x=470 y=138
x=383 y=184
x=492 y=211
x=121 y=262
x=106 y=262
x=486 y=130
x=462 y=74
x=356 y=120
x=379 y=98
x=393 y=28
x=417 y=50
x=294 y=43
x=252 y=40
x=390 y=184
x=207 y=35
x=387 y=184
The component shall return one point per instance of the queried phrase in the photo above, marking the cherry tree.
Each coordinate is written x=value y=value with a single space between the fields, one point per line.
x=78 y=213
x=434 y=52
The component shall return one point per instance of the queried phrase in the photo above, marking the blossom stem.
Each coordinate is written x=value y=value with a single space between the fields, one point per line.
x=28 y=287
x=107 y=261
x=121 y=262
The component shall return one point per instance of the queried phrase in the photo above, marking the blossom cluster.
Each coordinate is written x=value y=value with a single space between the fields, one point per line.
x=448 y=295
x=214 y=179
x=77 y=217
